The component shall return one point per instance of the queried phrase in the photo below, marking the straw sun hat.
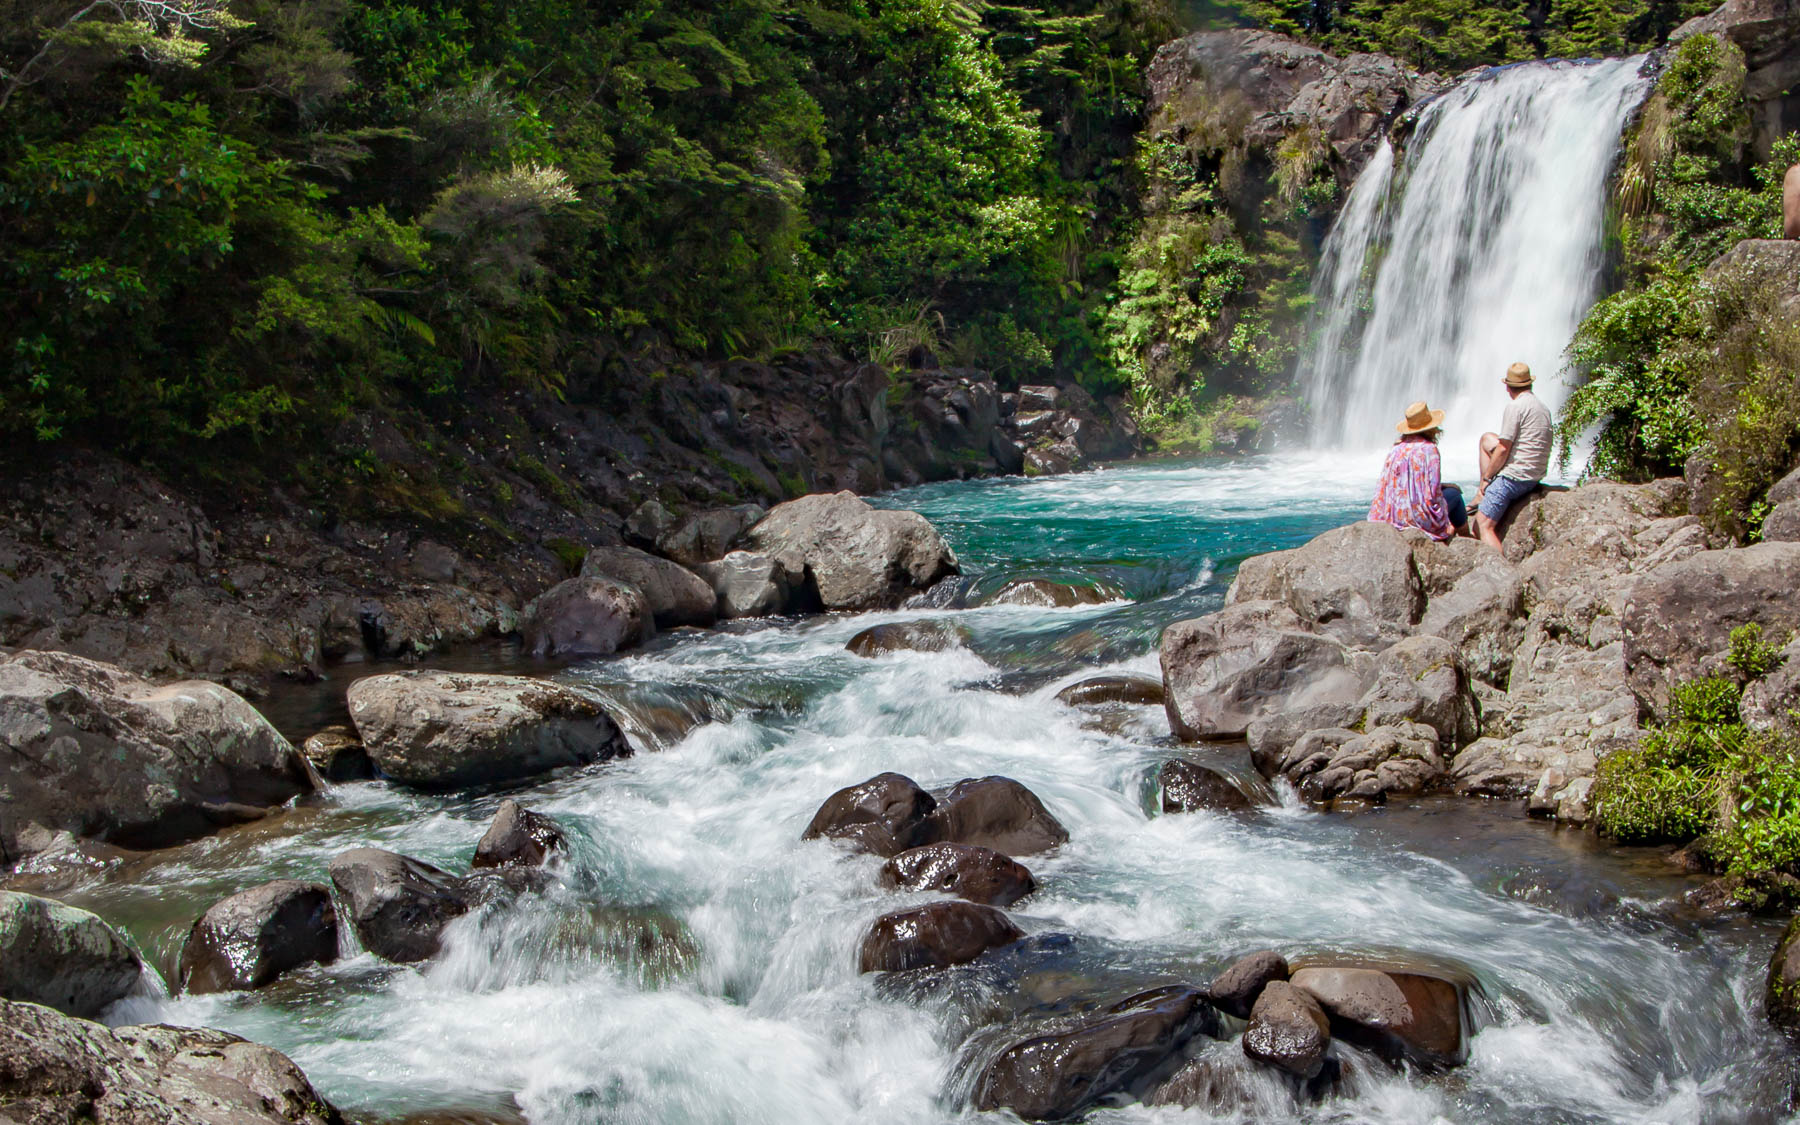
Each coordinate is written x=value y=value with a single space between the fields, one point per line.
x=1518 y=375
x=1420 y=418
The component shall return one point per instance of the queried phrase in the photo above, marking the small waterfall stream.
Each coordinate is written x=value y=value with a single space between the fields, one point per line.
x=1479 y=245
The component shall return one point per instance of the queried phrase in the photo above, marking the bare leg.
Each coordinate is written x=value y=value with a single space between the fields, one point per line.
x=1488 y=533
x=1489 y=442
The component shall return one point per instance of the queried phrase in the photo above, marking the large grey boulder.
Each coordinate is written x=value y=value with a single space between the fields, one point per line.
x=587 y=616
x=1357 y=583
x=675 y=594
x=91 y=749
x=1782 y=524
x=1678 y=618
x=855 y=556
x=749 y=585
x=1483 y=615
x=708 y=535
x=54 y=1069
x=247 y=940
x=442 y=730
x=1249 y=661
x=399 y=905
x=62 y=957
x=1422 y=680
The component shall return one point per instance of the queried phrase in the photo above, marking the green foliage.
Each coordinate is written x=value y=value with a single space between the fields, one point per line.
x=1751 y=656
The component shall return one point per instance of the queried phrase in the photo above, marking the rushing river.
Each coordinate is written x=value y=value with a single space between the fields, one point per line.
x=699 y=964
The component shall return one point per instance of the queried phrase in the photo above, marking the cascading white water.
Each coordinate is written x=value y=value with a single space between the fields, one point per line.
x=1482 y=247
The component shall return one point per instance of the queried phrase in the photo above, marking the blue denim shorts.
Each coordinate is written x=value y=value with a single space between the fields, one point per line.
x=1502 y=493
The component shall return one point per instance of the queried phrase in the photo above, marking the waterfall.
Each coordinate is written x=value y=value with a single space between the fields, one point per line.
x=1480 y=245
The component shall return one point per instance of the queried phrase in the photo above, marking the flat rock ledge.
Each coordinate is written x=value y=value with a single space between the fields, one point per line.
x=1371 y=662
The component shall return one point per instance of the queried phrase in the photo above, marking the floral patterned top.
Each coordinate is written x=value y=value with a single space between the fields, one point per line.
x=1411 y=490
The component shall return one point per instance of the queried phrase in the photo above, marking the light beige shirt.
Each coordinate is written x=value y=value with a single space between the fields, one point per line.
x=1526 y=425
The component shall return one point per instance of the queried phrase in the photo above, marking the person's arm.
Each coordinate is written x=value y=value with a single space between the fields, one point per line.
x=1492 y=463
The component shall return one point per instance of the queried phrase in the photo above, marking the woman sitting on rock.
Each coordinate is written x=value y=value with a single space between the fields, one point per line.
x=1412 y=492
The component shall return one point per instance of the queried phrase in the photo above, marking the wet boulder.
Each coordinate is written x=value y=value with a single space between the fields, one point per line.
x=976 y=874
x=934 y=936
x=1288 y=1030
x=398 y=905
x=1185 y=786
x=1415 y=1016
x=62 y=957
x=749 y=585
x=339 y=755
x=181 y=760
x=247 y=940
x=518 y=837
x=1235 y=990
x=996 y=813
x=1043 y=593
x=58 y=1069
x=1356 y=583
x=1251 y=660
x=674 y=594
x=1678 y=617
x=884 y=815
x=1099 y=690
x=1781 y=997
x=855 y=556
x=907 y=636
x=442 y=730
x=588 y=616
x=1123 y=1050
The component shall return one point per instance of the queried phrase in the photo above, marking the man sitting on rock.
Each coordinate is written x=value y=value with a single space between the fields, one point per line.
x=1514 y=460
x=1790 y=203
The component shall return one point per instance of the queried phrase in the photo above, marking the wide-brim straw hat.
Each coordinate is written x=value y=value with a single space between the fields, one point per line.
x=1420 y=418
x=1518 y=375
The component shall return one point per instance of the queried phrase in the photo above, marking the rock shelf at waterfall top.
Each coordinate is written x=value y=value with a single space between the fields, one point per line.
x=961 y=829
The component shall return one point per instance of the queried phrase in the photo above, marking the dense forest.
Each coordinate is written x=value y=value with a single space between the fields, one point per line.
x=228 y=223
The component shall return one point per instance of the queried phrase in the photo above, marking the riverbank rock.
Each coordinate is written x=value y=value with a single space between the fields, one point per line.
x=1768 y=32
x=1235 y=990
x=1781 y=994
x=1121 y=1051
x=855 y=556
x=338 y=755
x=1099 y=690
x=1288 y=1030
x=587 y=617
x=907 y=636
x=750 y=585
x=57 y=1069
x=1045 y=594
x=707 y=535
x=883 y=816
x=247 y=940
x=1414 y=1016
x=934 y=936
x=1678 y=618
x=979 y=875
x=62 y=957
x=1356 y=583
x=180 y=760
x=1185 y=786
x=674 y=594
x=996 y=813
x=443 y=730
x=1251 y=660
x=518 y=837
x=398 y=905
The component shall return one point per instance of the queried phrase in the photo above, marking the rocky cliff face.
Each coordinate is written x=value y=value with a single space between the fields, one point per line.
x=1768 y=32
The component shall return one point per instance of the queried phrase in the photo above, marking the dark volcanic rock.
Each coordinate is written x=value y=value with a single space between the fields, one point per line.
x=997 y=813
x=1189 y=787
x=1113 y=689
x=1123 y=1050
x=1235 y=990
x=1782 y=997
x=518 y=837
x=1402 y=1015
x=935 y=935
x=56 y=1070
x=884 y=815
x=249 y=939
x=180 y=760
x=588 y=616
x=1288 y=1030
x=976 y=874
x=61 y=957
x=398 y=905
x=675 y=594
x=907 y=636
x=339 y=755
x=708 y=535
x=440 y=730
